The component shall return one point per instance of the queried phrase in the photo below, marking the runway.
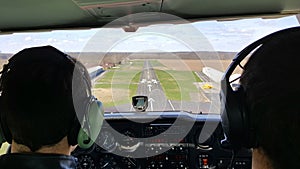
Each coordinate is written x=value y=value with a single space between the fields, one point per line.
x=150 y=86
x=203 y=101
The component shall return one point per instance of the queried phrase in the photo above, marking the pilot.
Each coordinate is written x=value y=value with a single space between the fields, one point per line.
x=45 y=96
x=268 y=102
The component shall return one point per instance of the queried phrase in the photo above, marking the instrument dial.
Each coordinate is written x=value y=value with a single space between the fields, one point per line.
x=108 y=161
x=128 y=139
x=130 y=163
x=85 y=161
x=107 y=141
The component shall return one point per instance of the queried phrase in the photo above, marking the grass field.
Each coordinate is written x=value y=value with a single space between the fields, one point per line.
x=118 y=85
x=156 y=64
x=178 y=85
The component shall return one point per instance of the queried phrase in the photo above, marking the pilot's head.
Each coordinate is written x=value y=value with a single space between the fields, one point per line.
x=37 y=100
x=272 y=97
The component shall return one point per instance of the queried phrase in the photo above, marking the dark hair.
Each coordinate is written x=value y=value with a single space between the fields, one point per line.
x=37 y=92
x=273 y=98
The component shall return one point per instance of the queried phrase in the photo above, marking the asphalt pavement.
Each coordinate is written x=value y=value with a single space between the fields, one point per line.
x=150 y=86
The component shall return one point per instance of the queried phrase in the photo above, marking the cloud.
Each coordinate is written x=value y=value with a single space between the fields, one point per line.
x=28 y=38
x=51 y=40
x=82 y=39
x=225 y=35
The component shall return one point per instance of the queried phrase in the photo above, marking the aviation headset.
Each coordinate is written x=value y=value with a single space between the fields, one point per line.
x=236 y=121
x=83 y=131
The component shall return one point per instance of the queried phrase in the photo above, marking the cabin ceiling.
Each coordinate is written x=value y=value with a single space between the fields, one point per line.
x=21 y=15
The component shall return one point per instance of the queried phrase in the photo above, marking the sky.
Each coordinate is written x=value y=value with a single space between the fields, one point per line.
x=204 y=36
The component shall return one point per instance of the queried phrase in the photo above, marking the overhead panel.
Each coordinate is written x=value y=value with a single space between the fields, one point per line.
x=109 y=9
x=204 y=8
x=56 y=14
x=20 y=14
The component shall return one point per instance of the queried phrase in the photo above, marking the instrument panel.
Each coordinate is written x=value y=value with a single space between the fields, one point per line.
x=178 y=140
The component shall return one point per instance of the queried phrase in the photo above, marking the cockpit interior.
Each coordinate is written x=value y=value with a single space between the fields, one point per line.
x=156 y=65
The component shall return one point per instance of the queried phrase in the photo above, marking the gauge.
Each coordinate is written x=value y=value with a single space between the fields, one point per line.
x=107 y=141
x=108 y=161
x=128 y=138
x=85 y=161
x=128 y=142
x=130 y=163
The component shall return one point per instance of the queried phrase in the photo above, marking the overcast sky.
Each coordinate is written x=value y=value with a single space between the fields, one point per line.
x=206 y=36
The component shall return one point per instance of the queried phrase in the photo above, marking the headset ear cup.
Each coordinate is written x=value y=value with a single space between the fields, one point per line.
x=73 y=134
x=233 y=116
x=236 y=120
x=91 y=124
x=5 y=135
x=2 y=138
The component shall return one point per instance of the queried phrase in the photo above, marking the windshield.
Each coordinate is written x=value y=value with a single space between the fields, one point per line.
x=177 y=66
